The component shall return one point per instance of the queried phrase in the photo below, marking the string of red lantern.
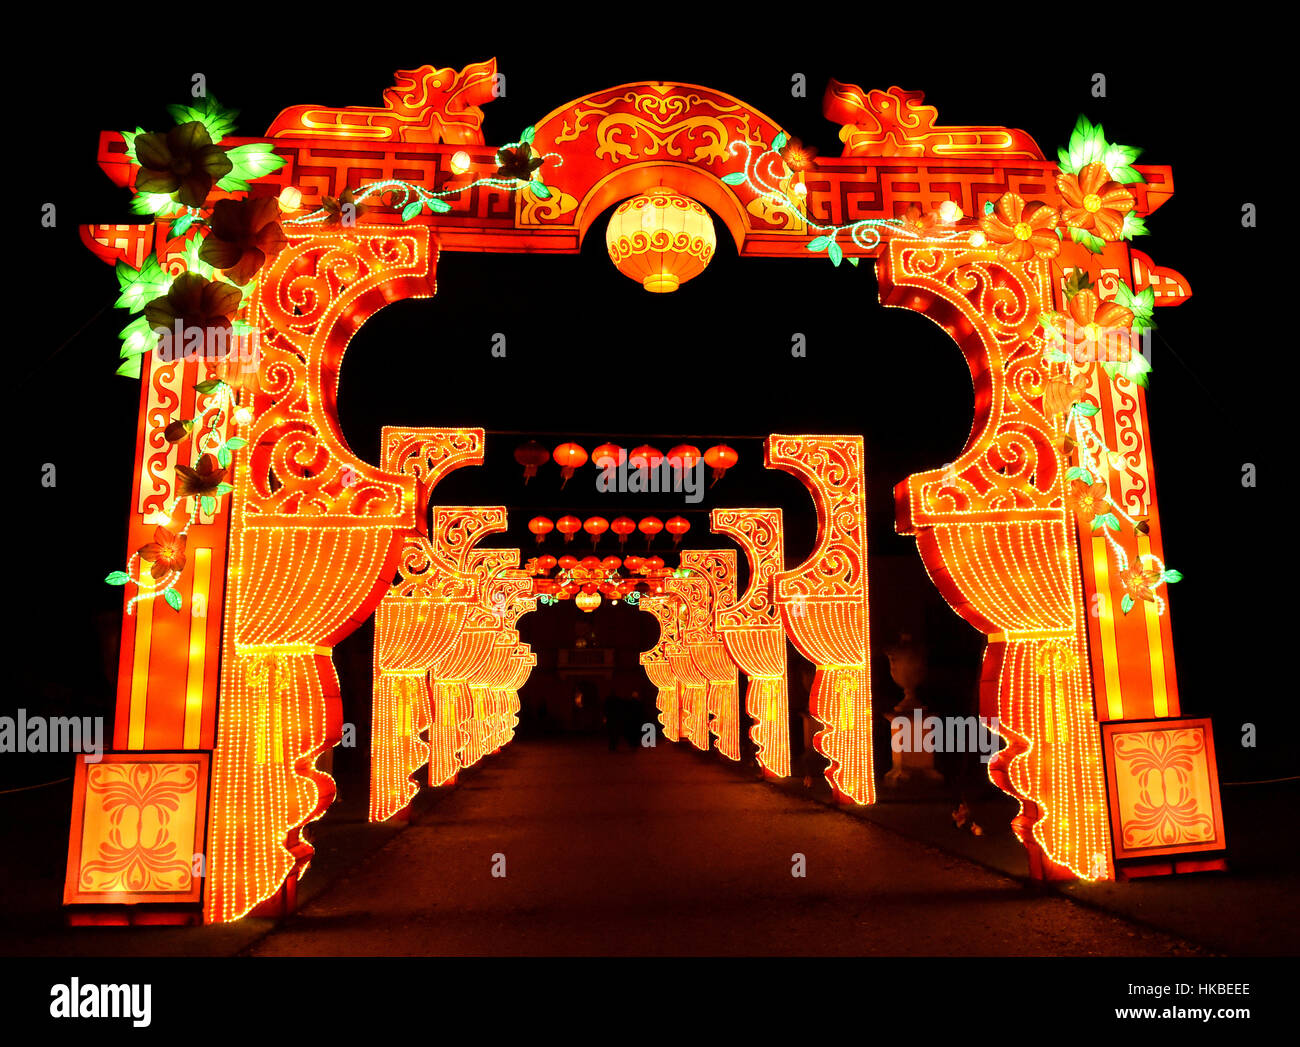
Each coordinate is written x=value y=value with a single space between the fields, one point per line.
x=570 y=456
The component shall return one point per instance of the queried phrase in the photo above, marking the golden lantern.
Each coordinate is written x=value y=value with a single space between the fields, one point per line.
x=660 y=239
x=588 y=602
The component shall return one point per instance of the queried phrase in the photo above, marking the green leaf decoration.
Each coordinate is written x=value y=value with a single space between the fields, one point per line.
x=1172 y=576
x=1109 y=520
x=778 y=143
x=180 y=225
x=144 y=286
x=118 y=578
x=1055 y=356
x=156 y=204
x=1078 y=472
x=529 y=134
x=439 y=206
x=129 y=138
x=207 y=503
x=819 y=243
x=1126 y=604
x=137 y=337
x=173 y=599
x=223 y=457
x=232 y=184
x=193 y=263
x=1133 y=226
x=734 y=178
x=224 y=488
x=253 y=160
x=216 y=119
x=1095 y=244
x=411 y=210
x=129 y=368
x=236 y=442
x=208 y=386
x=988 y=207
x=835 y=252
x=539 y=190
x=1087 y=410
x=853 y=261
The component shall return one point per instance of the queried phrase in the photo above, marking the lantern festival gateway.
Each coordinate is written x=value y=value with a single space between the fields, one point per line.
x=247 y=502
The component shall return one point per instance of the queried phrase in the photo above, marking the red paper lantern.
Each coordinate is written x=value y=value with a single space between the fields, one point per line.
x=568 y=526
x=568 y=457
x=595 y=526
x=684 y=456
x=677 y=527
x=606 y=455
x=633 y=563
x=720 y=459
x=531 y=456
x=622 y=527
x=568 y=562
x=650 y=526
x=541 y=527
x=655 y=563
x=645 y=456
x=545 y=563
x=590 y=563
x=611 y=563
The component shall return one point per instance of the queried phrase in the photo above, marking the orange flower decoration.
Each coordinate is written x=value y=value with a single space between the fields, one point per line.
x=1088 y=501
x=1022 y=231
x=1097 y=330
x=917 y=221
x=199 y=482
x=1095 y=202
x=797 y=156
x=1138 y=584
x=1061 y=393
x=166 y=552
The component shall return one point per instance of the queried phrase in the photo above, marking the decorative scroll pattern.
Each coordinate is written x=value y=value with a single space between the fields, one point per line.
x=718 y=568
x=753 y=633
x=1164 y=788
x=659 y=669
x=695 y=625
x=997 y=539
x=823 y=603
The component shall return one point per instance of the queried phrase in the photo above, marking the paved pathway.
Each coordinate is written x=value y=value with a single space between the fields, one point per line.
x=664 y=852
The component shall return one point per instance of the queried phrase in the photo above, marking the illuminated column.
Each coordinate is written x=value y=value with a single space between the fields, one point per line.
x=823 y=603
x=753 y=633
x=718 y=568
x=504 y=595
x=657 y=667
x=695 y=624
x=999 y=542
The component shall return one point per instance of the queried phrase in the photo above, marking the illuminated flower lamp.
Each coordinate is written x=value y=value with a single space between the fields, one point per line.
x=568 y=526
x=290 y=198
x=650 y=526
x=531 y=456
x=460 y=162
x=677 y=527
x=586 y=601
x=645 y=457
x=611 y=563
x=545 y=563
x=623 y=526
x=568 y=457
x=660 y=239
x=720 y=458
x=606 y=455
x=568 y=563
x=595 y=526
x=541 y=527
x=684 y=457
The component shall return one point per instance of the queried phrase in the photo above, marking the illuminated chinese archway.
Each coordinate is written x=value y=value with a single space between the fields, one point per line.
x=966 y=225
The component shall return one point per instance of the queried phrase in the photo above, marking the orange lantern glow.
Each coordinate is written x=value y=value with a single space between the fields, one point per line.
x=623 y=526
x=545 y=563
x=720 y=458
x=677 y=527
x=587 y=602
x=531 y=456
x=590 y=563
x=568 y=563
x=645 y=457
x=650 y=526
x=660 y=239
x=568 y=457
x=568 y=526
x=633 y=563
x=684 y=456
x=606 y=456
x=541 y=527
x=595 y=526
x=655 y=563
x=611 y=563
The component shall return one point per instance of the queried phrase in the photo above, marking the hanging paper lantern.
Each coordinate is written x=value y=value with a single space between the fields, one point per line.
x=655 y=563
x=568 y=526
x=541 y=527
x=568 y=457
x=660 y=239
x=623 y=526
x=531 y=456
x=590 y=563
x=611 y=563
x=606 y=456
x=684 y=456
x=633 y=563
x=595 y=526
x=545 y=563
x=650 y=526
x=568 y=563
x=645 y=457
x=587 y=602
x=677 y=527
x=720 y=459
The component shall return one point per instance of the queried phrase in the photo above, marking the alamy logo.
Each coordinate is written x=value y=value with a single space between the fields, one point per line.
x=669 y=474
x=53 y=734
x=75 y=1000
x=945 y=734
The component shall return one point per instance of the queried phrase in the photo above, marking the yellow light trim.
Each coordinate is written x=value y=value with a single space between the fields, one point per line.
x=140 y=673
x=1109 y=647
x=198 y=648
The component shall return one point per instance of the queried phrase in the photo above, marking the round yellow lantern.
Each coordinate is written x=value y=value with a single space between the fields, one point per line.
x=587 y=601
x=660 y=238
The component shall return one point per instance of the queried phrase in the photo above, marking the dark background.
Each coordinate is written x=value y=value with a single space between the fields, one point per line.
x=589 y=352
